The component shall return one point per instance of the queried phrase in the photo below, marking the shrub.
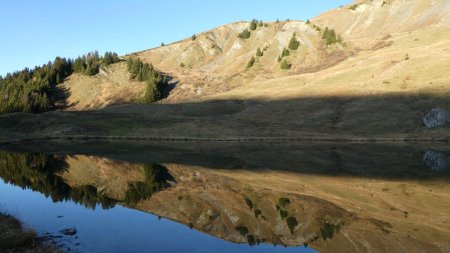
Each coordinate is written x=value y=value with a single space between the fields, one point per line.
x=353 y=7
x=193 y=37
x=285 y=52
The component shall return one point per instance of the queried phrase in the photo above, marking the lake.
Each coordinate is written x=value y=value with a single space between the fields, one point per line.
x=231 y=197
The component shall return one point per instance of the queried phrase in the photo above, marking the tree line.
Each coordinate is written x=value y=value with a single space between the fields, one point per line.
x=145 y=72
x=31 y=90
x=254 y=24
x=90 y=63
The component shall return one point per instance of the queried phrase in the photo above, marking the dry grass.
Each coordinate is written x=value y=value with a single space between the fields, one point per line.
x=376 y=93
x=14 y=238
x=112 y=85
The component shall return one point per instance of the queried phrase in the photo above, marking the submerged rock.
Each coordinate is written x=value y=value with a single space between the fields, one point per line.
x=437 y=160
x=69 y=231
x=437 y=117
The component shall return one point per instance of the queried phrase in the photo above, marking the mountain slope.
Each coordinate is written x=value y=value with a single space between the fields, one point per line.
x=377 y=18
x=216 y=60
x=388 y=72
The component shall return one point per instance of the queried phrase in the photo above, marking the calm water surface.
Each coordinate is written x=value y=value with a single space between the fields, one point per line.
x=118 y=229
x=319 y=198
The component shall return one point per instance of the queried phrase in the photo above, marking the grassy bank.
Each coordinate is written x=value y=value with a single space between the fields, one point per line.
x=15 y=238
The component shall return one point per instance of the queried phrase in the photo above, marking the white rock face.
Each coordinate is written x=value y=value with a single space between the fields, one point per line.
x=437 y=117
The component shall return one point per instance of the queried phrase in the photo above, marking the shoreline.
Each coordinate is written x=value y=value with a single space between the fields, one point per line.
x=15 y=238
x=226 y=139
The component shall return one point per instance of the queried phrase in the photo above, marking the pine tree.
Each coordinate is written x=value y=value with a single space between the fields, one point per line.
x=251 y=62
x=285 y=65
x=253 y=24
x=330 y=36
x=108 y=58
x=244 y=34
x=152 y=94
x=308 y=22
x=146 y=72
x=260 y=24
x=285 y=52
x=259 y=53
x=294 y=43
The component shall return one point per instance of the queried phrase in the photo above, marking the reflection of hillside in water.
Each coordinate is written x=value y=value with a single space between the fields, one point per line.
x=295 y=207
x=46 y=174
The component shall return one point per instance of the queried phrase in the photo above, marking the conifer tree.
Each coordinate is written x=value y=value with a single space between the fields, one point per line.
x=294 y=43
x=251 y=62
x=285 y=65
x=330 y=36
x=146 y=72
x=253 y=24
x=285 y=52
x=244 y=34
x=259 y=53
x=79 y=65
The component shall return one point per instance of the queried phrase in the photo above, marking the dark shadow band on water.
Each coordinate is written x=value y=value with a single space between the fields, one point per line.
x=370 y=160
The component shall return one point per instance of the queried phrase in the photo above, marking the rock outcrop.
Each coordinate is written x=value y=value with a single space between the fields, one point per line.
x=436 y=117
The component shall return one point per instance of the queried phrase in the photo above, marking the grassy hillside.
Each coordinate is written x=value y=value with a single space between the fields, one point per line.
x=113 y=85
x=378 y=83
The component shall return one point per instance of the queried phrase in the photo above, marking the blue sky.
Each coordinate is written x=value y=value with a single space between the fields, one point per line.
x=34 y=32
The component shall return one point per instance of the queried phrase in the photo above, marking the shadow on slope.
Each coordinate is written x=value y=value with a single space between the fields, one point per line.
x=394 y=117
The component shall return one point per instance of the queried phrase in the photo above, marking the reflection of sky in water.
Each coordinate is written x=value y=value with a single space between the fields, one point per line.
x=115 y=230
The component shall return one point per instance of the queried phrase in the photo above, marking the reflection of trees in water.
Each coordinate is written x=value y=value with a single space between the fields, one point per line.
x=157 y=177
x=38 y=172
x=329 y=230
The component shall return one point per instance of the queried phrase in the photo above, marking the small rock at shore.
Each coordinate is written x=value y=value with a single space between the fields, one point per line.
x=69 y=231
x=436 y=117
